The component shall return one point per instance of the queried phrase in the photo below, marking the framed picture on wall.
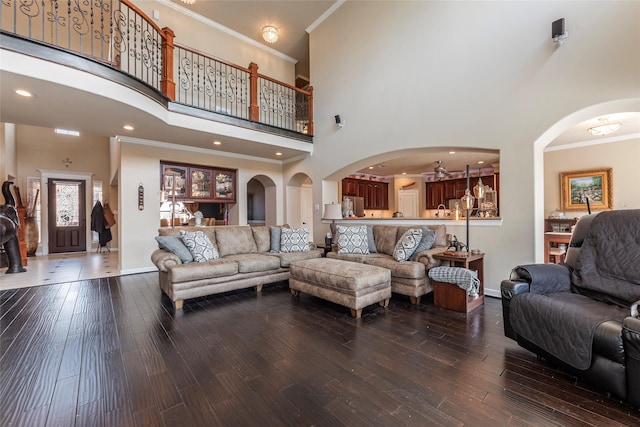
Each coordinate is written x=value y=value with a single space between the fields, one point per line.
x=224 y=185
x=595 y=184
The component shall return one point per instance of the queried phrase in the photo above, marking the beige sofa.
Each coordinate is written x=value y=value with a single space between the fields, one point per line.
x=408 y=277
x=245 y=261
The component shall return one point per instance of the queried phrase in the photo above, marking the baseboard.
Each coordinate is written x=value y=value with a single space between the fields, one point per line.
x=138 y=270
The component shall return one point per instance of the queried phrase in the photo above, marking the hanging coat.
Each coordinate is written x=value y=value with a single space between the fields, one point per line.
x=99 y=224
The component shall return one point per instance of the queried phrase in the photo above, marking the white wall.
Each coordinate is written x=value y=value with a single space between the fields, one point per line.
x=467 y=74
x=9 y=163
x=623 y=157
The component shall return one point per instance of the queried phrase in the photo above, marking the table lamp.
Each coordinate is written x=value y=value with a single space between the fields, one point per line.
x=332 y=211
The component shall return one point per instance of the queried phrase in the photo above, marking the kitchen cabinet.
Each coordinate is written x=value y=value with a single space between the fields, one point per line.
x=375 y=193
x=435 y=194
x=442 y=191
x=198 y=183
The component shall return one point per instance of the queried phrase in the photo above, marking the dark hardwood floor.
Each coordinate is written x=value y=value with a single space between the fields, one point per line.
x=111 y=352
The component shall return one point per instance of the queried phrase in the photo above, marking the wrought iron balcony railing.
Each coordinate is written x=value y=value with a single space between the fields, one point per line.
x=119 y=35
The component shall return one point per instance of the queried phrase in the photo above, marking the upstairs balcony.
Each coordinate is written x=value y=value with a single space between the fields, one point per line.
x=119 y=36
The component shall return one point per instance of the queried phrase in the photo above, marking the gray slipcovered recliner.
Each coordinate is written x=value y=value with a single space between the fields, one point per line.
x=583 y=315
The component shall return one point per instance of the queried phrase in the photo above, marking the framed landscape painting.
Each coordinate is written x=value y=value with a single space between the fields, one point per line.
x=577 y=186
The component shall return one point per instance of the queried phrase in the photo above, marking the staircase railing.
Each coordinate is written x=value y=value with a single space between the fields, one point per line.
x=118 y=34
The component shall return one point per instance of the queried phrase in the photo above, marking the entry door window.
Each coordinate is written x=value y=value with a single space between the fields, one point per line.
x=67 y=204
x=67 y=216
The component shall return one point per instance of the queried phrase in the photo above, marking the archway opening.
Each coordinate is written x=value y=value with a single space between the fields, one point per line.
x=261 y=201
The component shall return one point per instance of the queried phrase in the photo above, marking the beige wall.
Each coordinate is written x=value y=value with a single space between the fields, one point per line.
x=41 y=148
x=208 y=39
x=8 y=161
x=623 y=157
x=443 y=75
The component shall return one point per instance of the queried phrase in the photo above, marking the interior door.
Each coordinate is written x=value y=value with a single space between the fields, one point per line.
x=408 y=203
x=67 y=216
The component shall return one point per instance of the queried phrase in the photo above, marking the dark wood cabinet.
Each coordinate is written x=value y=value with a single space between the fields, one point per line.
x=198 y=183
x=440 y=192
x=435 y=194
x=375 y=193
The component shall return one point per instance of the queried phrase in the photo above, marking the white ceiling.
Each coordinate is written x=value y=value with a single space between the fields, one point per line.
x=61 y=106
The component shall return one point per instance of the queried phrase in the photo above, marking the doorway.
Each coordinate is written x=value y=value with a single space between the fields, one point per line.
x=67 y=215
x=408 y=201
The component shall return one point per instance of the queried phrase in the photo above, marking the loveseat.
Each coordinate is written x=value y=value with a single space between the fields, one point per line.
x=407 y=277
x=583 y=315
x=246 y=257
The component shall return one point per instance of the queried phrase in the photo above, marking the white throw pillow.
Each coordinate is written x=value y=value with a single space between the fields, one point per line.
x=407 y=244
x=294 y=240
x=199 y=245
x=352 y=239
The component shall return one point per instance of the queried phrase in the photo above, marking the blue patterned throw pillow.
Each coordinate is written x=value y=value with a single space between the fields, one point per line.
x=353 y=239
x=407 y=244
x=294 y=240
x=199 y=245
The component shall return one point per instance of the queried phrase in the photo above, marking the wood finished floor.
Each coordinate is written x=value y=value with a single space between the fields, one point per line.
x=111 y=352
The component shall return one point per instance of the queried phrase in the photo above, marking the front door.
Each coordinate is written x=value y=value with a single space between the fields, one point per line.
x=67 y=216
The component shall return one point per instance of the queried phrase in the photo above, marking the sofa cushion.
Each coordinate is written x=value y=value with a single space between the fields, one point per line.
x=234 y=240
x=441 y=235
x=294 y=240
x=385 y=237
x=199 y=245
x=175 y=245
x=407 y=244
x=203 y=270
x=353 y=239
x=286 y=258
x=251 y=263
x=408 y=270
x=262 y=237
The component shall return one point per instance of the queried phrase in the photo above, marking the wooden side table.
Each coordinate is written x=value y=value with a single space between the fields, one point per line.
x=452 y=297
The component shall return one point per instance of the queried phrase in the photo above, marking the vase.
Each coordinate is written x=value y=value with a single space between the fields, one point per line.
x=31 y=235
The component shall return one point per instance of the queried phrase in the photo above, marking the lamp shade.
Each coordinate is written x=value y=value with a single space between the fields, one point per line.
x=332 y=211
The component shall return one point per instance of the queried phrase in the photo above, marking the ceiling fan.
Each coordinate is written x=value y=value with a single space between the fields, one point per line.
x=441 y=171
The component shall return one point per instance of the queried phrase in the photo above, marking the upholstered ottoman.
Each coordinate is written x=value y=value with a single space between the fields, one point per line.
x=347 y=283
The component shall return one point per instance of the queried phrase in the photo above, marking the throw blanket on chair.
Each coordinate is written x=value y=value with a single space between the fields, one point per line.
x=462 y=277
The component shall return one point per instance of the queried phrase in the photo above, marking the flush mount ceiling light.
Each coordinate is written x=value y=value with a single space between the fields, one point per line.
x=604 y=128
x=188 y=1
x=24 y=93
x=127 y=127
x=269 y=33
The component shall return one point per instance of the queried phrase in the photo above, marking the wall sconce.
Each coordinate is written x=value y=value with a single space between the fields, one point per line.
x=558 y=33
x=67 y=161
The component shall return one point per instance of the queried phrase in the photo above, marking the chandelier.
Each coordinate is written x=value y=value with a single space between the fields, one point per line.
x=604 y=128
x=269 y=33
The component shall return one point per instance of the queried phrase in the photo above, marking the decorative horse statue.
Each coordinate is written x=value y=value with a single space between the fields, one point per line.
x=9 y=224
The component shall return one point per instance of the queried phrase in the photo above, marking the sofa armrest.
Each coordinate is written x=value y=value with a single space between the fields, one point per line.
x=509 y=289
x=426 y=257
x=631 y=341
x=164 y=259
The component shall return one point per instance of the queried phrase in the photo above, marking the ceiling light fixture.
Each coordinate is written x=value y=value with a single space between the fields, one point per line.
x=269 y=33
x=278 y=154
x=604 y=128
x=127 y=127
x=189 y=1
x=217 y=143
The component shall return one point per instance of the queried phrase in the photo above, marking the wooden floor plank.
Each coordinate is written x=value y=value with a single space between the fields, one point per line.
x=113 y=352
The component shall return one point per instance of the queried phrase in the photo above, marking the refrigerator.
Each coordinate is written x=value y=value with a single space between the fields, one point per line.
x=356 y=205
